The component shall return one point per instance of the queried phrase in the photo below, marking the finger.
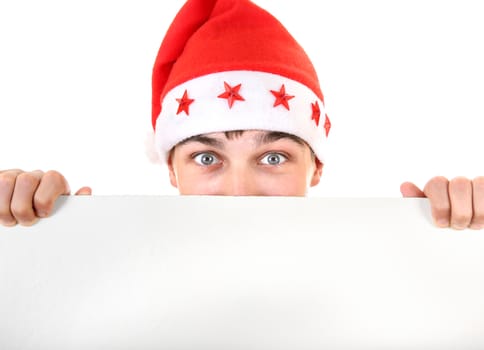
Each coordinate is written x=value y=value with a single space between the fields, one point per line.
x=18 y=171
x=21 y=205
x=7 y=185
x=460 y=194
x=84 y=191
x=410 y=190
x=436 y=191
x=478 y=203
x=52 y=186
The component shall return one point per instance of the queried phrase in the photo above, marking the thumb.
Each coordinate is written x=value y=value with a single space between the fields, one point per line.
x=408 y=189
x=84 y=191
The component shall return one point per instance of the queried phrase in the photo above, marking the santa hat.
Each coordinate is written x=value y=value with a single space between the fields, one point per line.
x=229 y=65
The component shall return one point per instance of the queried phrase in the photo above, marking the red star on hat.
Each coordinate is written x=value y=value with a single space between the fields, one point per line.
x=281 y=97
x=327 y=124
x=231 y=94
x=316 y=112
x=184 y=103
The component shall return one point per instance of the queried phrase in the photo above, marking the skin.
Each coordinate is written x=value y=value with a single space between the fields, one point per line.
x=458 y=203
x=25 y=197
x=243 y=165
x=255 y=163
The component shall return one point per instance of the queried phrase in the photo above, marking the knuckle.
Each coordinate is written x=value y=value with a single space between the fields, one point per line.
x=439 y=179
x=459 y=181
x=56 y=181
x=54 y=177
x=460 y=188
x=7 y=179
x=478 y=183
x=27 y=180
x=435 y=183
x=479 y=179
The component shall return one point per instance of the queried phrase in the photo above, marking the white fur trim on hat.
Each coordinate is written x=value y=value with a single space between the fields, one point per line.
x=209 y=113
x=150 y=148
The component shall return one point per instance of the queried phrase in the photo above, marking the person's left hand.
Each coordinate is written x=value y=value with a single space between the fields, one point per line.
x=458 y=203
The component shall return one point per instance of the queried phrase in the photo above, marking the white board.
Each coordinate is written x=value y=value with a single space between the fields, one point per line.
x=153 y=272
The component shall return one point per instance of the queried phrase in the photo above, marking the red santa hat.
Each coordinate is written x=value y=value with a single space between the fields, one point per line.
x=229 y=65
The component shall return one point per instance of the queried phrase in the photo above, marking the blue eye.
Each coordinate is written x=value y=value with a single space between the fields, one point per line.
x=206 y=159
x=273 y=159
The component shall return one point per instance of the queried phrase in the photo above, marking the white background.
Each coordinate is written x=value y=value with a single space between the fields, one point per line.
x=403 y=84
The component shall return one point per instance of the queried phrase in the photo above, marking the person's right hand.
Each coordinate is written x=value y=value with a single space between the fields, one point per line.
x=27 y=196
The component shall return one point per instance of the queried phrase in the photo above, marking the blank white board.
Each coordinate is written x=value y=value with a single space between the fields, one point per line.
x=153 y=272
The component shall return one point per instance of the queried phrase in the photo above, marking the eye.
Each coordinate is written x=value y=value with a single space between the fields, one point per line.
x=273 y=159
x=206 y=159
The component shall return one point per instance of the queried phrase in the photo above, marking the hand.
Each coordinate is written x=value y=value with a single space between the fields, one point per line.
x=27 y=196
x=458 y=203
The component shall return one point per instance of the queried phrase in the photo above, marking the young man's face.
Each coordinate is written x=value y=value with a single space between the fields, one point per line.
x=246 y=163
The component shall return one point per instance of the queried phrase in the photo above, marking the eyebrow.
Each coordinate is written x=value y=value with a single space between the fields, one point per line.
x=209 y=141
x=262 y=139
x=275 y=136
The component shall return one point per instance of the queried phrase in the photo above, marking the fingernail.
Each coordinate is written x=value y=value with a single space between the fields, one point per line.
x=458 y=227
x=8 y=223
x=443 y=223
x=29 y=223
x=42 y=214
